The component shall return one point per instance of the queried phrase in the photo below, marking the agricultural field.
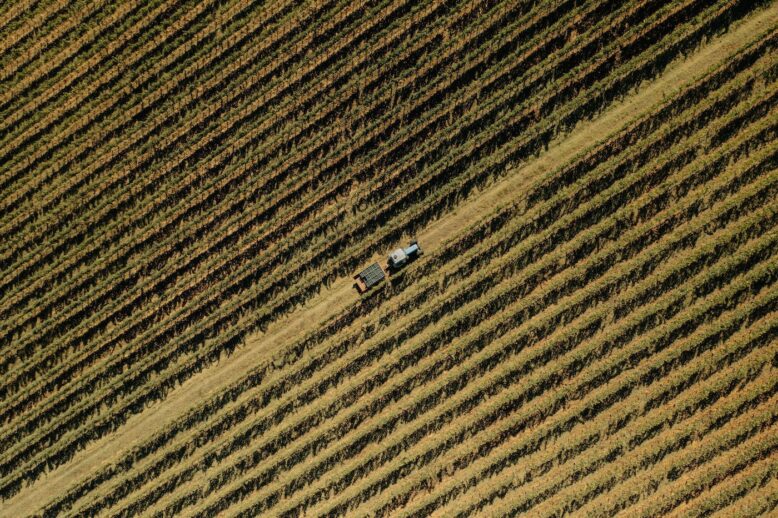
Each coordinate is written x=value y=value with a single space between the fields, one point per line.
x=188 y=188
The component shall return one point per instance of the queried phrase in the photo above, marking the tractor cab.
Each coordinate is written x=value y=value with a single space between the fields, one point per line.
x=402 y=256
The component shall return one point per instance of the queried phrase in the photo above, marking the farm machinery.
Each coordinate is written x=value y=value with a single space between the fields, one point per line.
x=374 y=274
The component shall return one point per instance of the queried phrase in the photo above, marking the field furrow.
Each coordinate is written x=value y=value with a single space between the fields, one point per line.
x=587 y=322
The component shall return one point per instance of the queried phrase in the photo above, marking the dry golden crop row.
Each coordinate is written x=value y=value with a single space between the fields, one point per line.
x=758 y=502
x=61 y=55
x=35 y=110
x=412 y=481
x=734 y=487
x=230 y=309
x=9 y=22
x=625 y=425
x=139 y=91
x=121 y=153
x=537 y=410
x=163 y=246
x=600 y=489
x=383 y=366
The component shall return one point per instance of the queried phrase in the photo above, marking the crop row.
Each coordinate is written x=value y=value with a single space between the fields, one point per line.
x=708 y=368
x=122 y=164
x=371 y=469
x=727 y=492
x=59 y=93
x=760 y=501
x=252 y=79
x=168 y=79
x=444 y=339
x=47 y=95
x=11 y=30
x=626 y=426
x=637 y=448
x=199 y=230
x=256 y=378
x=154 y=28
x=80 y=35
x=714 y=284
x=565 y=368
x=746 y=440
x=116 y=159
x=632 y=423
x=371 y=466
x=63 y=22
x=197 y=37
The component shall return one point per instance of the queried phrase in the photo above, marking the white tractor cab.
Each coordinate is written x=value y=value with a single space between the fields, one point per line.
x=403 y=256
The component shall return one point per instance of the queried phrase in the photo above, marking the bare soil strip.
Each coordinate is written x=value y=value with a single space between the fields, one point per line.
x=261 y=347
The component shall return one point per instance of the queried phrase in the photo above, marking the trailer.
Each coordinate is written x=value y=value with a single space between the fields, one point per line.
x=374 y=274
x=369 y=277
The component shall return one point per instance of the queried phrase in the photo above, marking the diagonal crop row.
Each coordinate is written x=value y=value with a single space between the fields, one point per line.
x=730 y=490
x=35 y=110
x=759 y=502
x=635 y=423
x=154 y=83
x=51 y=14
x=11 y=30
x=613 y=366
x=226 y=97
x=641 y=456
x=173 y=93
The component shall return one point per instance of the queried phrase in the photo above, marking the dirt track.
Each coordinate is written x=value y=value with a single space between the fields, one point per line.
x=331 y=301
